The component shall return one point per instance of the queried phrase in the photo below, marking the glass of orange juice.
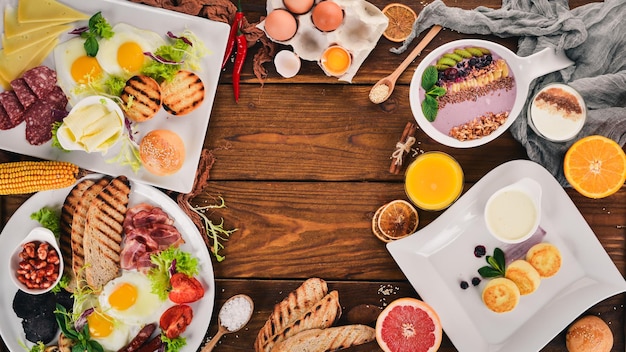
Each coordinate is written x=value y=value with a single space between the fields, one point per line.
x=433 y=181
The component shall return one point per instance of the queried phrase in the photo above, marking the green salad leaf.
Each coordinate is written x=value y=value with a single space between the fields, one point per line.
x=98 y=28
x=175 y=344
x=48 y=218
x=159 y=275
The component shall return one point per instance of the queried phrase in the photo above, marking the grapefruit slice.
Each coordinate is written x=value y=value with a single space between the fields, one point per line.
x=408 y=325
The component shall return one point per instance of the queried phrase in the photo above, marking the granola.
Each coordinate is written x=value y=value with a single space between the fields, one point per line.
x=479 y=127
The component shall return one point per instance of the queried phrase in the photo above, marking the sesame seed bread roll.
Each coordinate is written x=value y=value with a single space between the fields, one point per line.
x=162 y=152
x=501 y=295
x=545 y=258
x=589 y=334
x=524 y=276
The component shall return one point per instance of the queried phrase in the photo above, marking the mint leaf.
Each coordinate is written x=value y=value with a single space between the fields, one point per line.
x=496 y=265
x=91 y=46
x=430 y=107
x=488 y=272
x=430 y=77
x=437 y=91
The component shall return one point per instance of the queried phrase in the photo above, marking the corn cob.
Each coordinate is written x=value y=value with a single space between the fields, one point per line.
x=24 y=177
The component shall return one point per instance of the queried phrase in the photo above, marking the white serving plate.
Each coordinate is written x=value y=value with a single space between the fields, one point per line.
x=20 y=224
x=438 y=257
x=192 y=128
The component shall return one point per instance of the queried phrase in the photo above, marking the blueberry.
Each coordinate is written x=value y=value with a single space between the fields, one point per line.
x=464 y=285
x=473 y=61
x=479 y=251
x=475 y=281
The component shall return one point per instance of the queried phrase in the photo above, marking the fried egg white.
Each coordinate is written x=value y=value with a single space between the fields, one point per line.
x=75 y=68
x=128 y=298
x=123 y=54
x=111 y=333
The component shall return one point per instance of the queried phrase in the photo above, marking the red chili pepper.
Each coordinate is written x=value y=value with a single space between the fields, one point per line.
x=234 y=28
x=240 y=58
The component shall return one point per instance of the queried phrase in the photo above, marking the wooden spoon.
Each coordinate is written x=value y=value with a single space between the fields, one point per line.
x=222 y=330
x=390 y=81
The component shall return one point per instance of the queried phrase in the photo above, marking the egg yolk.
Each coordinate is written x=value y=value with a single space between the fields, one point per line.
x=123 y=297
x=85 y=67
x=130 y=56
x=336 y=60
x=100 y=324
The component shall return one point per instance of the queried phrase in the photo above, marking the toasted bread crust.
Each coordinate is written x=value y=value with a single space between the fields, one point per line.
x=103 y=233
x=142 y=95
x=330 y=339
x=289 y=310
x=183 y=94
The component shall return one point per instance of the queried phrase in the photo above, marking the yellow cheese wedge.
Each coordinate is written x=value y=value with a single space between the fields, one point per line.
x=13 y=65
x=4 y=84
x=47 y=10
x=23 y=41
x=12 y=27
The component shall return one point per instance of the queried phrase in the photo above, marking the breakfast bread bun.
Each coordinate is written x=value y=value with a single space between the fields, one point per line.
x=501 y=295
x=545 y=258
x=589 y=334
x=183 y=94
x=142 y=98
x=524 y=276
x=162 y=152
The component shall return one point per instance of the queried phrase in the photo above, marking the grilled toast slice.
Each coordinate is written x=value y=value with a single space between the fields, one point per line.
x=330 y=339
x=103 y=233
x=67 y=215
x=142 y=97
x=183 y=94
x=78 y=226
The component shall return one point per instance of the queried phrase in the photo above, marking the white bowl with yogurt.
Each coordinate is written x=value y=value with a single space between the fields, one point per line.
x=512 y=213
x=557 y=112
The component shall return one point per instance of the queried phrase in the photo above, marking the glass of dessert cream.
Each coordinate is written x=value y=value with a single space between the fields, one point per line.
x=557 y=112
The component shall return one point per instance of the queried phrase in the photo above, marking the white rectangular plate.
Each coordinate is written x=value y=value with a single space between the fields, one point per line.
x=438 y=257
x=192 y=128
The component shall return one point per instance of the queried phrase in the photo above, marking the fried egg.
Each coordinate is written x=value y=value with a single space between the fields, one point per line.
x=128 y=298
x=123 y=53
x=75 y=68
x=111 y=333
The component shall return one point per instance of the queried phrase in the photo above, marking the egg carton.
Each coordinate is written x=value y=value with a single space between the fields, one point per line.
x=362 y=26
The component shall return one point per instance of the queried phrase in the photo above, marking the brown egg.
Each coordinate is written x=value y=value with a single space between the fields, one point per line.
x=280 y=25
x=298 y=6
x=327 y=16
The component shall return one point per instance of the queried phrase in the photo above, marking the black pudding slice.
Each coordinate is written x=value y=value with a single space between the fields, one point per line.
x=27 y=306
x=42 y=327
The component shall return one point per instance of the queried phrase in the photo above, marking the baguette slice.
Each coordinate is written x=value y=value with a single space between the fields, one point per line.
x=102 y=241
x=326 y=340
x=67 y=215
x=290 y=309
x=142 y=96
x=78 y=226
x=322 y=315
x=183 y=94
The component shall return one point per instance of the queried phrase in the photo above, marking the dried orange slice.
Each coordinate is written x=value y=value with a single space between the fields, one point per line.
x=595 y=166
x=397 y=219
x=401 y=19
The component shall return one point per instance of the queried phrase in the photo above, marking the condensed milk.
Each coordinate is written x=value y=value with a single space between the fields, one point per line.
x=557 y=112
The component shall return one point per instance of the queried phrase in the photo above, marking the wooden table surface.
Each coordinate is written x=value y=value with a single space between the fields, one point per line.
x=302 y=165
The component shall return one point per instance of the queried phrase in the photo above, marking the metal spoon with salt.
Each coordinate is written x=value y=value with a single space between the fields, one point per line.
x=379 y=94
x=224 y=310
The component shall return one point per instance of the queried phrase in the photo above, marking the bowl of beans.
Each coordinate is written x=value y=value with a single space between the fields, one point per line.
x=36 y=263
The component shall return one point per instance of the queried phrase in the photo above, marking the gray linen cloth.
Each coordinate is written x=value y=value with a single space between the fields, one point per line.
x=592 y=35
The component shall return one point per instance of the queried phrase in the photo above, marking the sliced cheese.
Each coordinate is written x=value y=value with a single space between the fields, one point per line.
x=23 y=41
x=102 y=133
x=47 y=10
x=13 y=28
x=4 y=84
x=78 y=121
x=13 y=65
x=91 y=128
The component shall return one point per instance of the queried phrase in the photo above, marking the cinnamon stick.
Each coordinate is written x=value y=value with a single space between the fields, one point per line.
x=402 y=147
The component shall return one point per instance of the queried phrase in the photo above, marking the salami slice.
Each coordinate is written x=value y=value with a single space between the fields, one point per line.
x=5 y=121
x=41 y=80
x=58 y=98
x=12 y=106
x=39 y=119
x=24 y=94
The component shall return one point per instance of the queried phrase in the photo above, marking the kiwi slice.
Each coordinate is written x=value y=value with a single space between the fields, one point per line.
x=441 y=67
x=453 y=56
x=446 y=61
x=463 y=53
x=485 y=51
x=475 y=51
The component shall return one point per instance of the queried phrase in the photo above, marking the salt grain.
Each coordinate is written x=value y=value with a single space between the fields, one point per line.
x=235 y=313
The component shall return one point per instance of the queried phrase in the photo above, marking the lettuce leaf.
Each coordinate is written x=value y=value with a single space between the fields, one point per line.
x=159 y=275
x=48 y=218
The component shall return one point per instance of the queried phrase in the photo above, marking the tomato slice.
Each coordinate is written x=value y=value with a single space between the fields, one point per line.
x=185 y=289
x=175 y=320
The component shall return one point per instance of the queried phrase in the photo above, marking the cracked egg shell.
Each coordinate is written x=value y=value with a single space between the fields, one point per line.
x=280 y=25
x=327 y=16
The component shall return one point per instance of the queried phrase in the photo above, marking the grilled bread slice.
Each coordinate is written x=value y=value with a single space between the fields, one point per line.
x=78 y=226
x=103 y=233
x=290 y=309
x=142 y=98
x=322 y=315
x=67 y=215
x=330 y=339
x=183 y=94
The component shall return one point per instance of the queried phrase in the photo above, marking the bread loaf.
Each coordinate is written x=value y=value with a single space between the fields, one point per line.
x=325 y=340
